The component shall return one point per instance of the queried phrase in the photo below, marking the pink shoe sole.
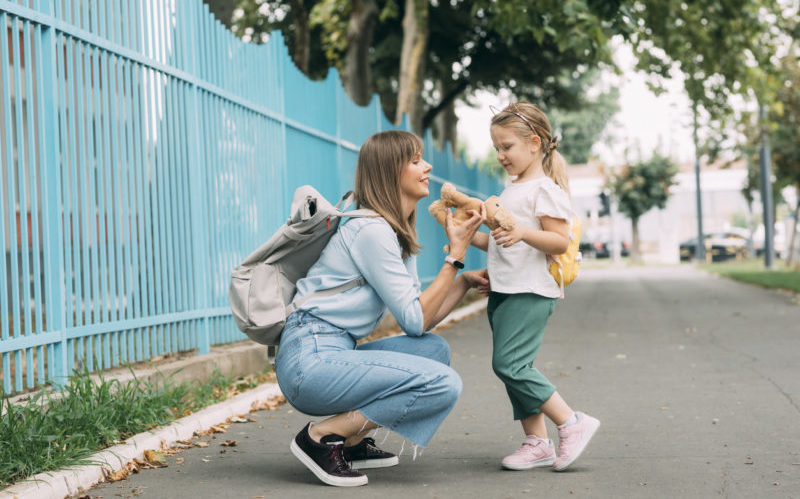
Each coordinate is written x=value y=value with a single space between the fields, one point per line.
x=541 y=463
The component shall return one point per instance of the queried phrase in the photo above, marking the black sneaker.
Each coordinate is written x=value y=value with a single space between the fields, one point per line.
x=325 y=459
x=366 y=455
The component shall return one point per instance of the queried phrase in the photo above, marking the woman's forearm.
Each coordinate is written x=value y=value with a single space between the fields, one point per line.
x=454 y=295
x=434 y=295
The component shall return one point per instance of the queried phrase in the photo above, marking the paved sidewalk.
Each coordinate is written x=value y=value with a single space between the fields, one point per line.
x=695 y=380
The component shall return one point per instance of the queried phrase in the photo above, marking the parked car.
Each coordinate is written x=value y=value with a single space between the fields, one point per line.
x=720 y=246
x=600 y=248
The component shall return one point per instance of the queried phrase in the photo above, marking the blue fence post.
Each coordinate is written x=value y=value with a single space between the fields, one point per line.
x=52 y=208
x=199 y=218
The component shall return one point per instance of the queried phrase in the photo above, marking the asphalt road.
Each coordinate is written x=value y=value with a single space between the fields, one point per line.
x=696 y=380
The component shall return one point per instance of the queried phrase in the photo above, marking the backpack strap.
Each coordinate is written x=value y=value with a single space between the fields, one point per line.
x=362 y=213
x=348 y=199
x=359 y=281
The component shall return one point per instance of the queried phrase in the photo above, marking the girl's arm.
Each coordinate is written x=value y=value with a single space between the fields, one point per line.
x=553 y=239
x=460 y=237
x=481 y=241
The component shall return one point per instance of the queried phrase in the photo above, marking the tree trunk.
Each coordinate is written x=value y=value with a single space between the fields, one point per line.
x=448 y=96
x=412 y=63
x=793 y=241
x=446 y=124
x=356 y=74
x=636 y=254
x=302 y=36
x=222 y=10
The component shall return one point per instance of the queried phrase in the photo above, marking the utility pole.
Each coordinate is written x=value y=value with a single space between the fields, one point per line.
x=765 y=168
x=700 y=251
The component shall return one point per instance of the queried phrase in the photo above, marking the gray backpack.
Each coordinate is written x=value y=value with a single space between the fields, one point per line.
x=263 y=285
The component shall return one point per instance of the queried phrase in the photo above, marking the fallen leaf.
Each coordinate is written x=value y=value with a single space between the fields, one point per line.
x=155 y=458
x=228 y=443
x=179 y=460
x=270 y=404
x=115 y=476
x=202 y=445
x=748 y=462
x=238 y=419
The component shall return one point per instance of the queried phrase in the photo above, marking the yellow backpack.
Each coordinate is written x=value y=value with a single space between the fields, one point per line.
x=564 y=267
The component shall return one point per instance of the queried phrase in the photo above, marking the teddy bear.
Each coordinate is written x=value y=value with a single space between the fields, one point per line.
x=496 y=214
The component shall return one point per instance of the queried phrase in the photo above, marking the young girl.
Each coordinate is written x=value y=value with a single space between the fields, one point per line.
x=523 y=293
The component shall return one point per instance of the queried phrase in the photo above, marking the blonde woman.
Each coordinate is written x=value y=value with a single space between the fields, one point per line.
x=402 y=383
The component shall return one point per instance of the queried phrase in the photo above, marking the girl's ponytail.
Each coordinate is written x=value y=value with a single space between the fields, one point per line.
x=555 y=166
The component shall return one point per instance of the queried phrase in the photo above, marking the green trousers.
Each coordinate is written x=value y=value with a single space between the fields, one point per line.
x=518 y=322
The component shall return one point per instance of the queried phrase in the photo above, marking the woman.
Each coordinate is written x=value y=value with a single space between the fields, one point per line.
x=401 y=383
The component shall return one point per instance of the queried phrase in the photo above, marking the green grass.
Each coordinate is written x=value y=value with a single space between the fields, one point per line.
x=753 y=272
x=57 y=429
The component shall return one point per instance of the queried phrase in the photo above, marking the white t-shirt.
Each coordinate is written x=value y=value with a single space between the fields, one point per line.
x=522 y=268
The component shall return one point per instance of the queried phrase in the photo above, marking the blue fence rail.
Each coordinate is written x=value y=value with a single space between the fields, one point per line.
x=145 y=152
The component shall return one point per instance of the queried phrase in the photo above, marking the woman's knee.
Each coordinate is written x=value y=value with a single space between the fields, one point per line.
x=451 y=386
x=439 y=348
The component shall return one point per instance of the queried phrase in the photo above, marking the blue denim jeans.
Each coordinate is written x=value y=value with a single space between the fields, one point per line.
x=403 y=383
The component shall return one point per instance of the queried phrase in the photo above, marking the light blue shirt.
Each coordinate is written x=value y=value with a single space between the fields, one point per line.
x=365 y=247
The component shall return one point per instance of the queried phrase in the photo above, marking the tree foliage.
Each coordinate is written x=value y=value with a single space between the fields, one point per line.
x=641 y=187
x=785 y=138
x=721 y=48
x=532 y=47
x=580 y=129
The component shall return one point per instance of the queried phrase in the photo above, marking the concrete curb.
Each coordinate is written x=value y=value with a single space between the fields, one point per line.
x=72 y=481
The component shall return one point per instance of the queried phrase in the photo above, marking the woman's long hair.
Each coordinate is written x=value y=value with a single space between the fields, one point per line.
x=526 y=120
x=381 y=161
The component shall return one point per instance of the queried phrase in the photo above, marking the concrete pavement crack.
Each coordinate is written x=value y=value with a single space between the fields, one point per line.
x=713 y=342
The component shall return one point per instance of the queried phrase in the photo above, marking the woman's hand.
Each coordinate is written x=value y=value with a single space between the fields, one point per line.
x=508 y=238
x=478 y=279
x=460 y=235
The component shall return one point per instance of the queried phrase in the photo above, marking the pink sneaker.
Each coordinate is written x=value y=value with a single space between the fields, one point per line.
x=573 y=439
x=534 y=453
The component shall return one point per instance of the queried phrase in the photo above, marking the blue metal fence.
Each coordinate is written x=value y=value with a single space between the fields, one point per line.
x=145 y=152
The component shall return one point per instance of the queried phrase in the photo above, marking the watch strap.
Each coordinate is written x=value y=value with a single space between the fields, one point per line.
x=455 y=263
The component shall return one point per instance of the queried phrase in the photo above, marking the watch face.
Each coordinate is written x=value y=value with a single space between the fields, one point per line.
x=455 y=263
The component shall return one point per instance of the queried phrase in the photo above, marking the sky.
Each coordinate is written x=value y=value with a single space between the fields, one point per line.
x=644 y=123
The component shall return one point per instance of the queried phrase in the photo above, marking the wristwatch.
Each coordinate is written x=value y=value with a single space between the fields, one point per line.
x=455 y=263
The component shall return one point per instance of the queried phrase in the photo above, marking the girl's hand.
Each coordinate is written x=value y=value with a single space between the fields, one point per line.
x=478 y=279
x=508 y=238
x=460 y=235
